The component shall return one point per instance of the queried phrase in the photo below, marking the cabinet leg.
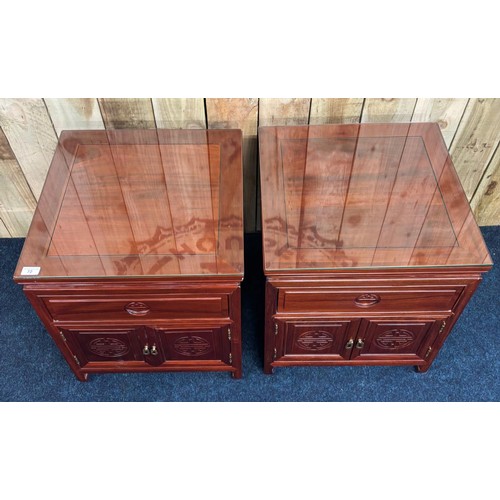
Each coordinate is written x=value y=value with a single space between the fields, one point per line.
x=423 y=368
x=82 y=377
x=270 y=336
x=268 y=369
x=235 y=340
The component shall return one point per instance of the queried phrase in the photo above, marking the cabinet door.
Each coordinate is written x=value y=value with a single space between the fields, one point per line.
x=395 y=339
x=312 y=339
x=111 y=344
x=192 y=343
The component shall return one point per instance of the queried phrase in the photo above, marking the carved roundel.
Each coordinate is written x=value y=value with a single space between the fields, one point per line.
x=395 y=339
x=108 y=347
x=192 y=345
x=367 y=300
x=315 y=340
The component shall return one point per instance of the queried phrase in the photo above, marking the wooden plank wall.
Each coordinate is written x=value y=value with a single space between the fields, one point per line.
x=29 y=129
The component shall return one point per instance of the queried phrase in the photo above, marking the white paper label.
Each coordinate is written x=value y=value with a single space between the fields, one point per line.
x=30 y=271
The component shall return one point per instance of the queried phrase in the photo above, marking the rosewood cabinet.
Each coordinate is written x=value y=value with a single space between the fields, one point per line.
x=371 y=251
x=134 y=258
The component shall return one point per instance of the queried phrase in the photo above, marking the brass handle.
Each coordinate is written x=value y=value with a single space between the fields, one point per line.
x=360 y=344
x=137 y=308
x=145 y=350
x=350 y=344
x=154 y=351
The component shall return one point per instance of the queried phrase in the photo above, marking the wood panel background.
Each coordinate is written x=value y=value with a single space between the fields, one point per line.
x=29 y=129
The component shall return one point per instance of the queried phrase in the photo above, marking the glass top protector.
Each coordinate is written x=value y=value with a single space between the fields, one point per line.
x=123 y=203
x=363 y=196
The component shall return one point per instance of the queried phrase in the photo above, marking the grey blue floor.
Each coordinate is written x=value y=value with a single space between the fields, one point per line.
x=466 y=369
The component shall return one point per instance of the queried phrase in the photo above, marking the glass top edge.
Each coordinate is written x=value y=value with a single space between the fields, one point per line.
x=486 y=266
x=178 y=277
x=353 y=125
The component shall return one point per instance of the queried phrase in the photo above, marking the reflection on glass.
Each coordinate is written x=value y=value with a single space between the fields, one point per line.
x=367 y=195
x=140 y=202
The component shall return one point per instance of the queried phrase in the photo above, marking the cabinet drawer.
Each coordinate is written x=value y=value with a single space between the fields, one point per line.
x=349 y=300
x=136 y=307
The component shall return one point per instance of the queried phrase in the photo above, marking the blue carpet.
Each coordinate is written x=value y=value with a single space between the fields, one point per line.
x=466 y=369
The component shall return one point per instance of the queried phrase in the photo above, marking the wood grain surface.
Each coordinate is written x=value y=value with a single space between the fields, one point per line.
x=17 y=202
x=4 y=233
x=127 y=113
x=28 y=128
x=284 y=111
x=243 y=114
x=475 y=142
x=446 y=112
x=325 y=111
x=390 y=201
x=388 y=110
x=179 y=113
x=141 y=202
x=74 y=114
x=486 y=200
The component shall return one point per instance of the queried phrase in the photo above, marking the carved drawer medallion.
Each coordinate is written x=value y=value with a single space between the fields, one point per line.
x=108 y=347
x=367 y=300
x=191 y=345
x=137 y=308
x=315 y=340
x=396 y=338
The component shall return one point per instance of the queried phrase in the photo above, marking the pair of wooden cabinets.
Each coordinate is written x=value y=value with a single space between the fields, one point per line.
x=134 y=257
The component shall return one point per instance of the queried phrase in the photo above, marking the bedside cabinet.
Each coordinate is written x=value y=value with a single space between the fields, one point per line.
x=371 y=251
x=134 y=258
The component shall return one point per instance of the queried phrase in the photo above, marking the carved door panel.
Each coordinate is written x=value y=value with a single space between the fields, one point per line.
x=195 y=343
x=395 y=339
x=110 y=344
x=327 y=339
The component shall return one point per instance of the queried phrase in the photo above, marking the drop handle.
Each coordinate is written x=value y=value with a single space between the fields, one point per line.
x=350 y=344
x=145 y=350
x=154 y=351
x=360 y=344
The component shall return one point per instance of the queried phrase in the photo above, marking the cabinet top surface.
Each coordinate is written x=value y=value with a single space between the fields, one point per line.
x=134 y=203
x=363 y=196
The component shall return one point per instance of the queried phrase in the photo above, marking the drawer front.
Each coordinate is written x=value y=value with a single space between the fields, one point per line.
x=137 y=307
x=360 y=300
